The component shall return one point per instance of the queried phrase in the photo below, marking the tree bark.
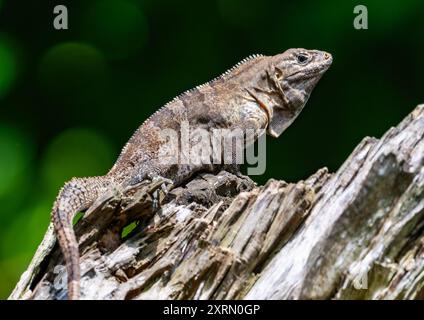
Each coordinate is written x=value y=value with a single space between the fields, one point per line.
x=354 y=234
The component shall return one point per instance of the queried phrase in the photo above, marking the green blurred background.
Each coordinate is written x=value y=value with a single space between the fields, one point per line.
x=69 y=99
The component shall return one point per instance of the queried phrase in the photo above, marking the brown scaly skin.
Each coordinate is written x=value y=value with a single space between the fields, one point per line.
x=261 y=92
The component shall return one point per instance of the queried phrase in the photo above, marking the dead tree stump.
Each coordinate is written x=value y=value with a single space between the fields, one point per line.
x=354 y=234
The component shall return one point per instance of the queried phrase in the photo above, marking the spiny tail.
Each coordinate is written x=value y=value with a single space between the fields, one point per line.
x=77 y=194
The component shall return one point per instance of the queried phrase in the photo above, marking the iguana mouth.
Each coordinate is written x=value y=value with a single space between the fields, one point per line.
x=304 y=73
x=310 y=72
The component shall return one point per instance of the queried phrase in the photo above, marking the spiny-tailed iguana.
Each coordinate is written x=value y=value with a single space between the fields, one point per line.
x=261 y=93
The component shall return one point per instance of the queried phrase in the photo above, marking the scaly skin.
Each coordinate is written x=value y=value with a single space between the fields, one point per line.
x=261 y=92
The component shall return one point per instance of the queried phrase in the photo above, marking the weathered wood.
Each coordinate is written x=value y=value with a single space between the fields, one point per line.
x=355 y=234
x=366 y=225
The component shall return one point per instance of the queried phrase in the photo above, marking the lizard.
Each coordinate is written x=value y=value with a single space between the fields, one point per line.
x=261 y=92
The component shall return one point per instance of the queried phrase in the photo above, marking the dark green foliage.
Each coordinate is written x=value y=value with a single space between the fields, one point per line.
x=70 y=99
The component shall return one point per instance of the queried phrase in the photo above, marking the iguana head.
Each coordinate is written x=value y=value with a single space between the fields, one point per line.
x=285 y=84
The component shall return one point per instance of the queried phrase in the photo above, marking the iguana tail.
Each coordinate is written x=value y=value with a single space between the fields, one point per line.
x=76 y=195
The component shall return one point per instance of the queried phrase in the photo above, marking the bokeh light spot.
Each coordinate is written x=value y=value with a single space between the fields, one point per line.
x=25 y=232
x=8 y=67
x=19 y=241
x=72 y=68
x=76 y=152
x=116 y=27
x=15 y=151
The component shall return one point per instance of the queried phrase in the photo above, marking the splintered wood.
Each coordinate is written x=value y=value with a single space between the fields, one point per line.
x=355 y=234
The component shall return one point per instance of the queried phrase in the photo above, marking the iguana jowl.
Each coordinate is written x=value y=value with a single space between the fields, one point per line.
x=261 y=92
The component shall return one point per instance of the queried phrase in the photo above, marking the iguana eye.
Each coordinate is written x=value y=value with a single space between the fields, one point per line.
x=302 y=58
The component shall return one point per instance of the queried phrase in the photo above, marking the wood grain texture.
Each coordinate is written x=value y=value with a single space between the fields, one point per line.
x=354 y=234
